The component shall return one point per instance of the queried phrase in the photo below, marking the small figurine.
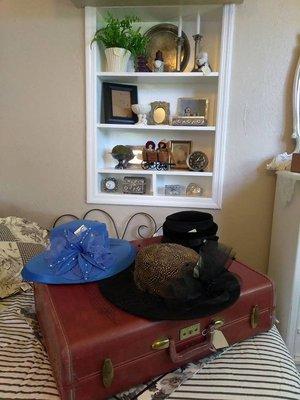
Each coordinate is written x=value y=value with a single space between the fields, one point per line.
x=203 y=64
x=159 y=158
x=188 y=112
x=150 y=145
x=162 y=145
x=159 y=62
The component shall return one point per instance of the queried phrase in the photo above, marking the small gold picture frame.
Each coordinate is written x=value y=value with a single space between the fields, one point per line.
x=160 y=113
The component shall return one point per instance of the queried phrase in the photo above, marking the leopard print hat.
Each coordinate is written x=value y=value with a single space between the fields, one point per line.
x=157 y=264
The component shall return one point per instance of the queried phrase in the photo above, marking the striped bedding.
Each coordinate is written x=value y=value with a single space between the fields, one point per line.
x=256 y=369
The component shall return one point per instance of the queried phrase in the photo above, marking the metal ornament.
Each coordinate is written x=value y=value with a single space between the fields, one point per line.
x=163 y=37
x=197 y=39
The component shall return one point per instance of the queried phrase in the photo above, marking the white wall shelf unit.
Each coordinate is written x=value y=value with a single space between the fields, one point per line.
x=217 y=23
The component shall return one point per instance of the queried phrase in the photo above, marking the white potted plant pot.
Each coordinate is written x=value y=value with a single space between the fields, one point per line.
x=117 y=59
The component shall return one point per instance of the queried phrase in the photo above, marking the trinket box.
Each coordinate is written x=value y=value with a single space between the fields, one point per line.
x=134 y=185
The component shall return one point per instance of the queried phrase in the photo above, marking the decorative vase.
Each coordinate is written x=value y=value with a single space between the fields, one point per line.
x=117 y=59
x=141 y=110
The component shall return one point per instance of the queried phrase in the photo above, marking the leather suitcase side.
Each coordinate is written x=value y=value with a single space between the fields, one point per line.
x=97 y=350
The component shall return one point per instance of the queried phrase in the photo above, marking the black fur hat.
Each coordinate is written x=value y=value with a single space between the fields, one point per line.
x=190 y=229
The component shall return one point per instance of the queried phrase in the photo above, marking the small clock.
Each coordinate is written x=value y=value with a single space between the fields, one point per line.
x=110 y=184
x=197 y=161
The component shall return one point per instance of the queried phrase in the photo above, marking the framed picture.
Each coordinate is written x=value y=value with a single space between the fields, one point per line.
x=192 y=107
x=117 y=102
x=160 y=113
x=180 y=149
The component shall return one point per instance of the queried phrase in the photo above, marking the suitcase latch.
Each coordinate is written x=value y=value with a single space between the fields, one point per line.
x=107 y=372
x=162 y=343
x=254 y=318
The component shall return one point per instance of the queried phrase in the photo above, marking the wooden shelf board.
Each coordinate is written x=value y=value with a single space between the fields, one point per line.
x=209 y=128
x=154 y=200
x=157 y=77
x=152 y=172
x=122 y=3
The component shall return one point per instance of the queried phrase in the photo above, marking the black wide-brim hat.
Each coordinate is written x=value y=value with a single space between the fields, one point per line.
x=193 y=298
x=189 y=228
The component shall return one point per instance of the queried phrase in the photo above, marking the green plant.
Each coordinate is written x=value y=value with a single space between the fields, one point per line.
x=120 y=33
x=138 y=43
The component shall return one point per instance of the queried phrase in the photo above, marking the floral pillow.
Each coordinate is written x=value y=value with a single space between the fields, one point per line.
x=20 y=240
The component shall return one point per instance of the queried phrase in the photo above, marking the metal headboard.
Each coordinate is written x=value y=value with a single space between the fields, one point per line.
x=151 y=223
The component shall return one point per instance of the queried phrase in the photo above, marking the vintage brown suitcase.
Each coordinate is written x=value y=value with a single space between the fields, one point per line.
x=97 y=350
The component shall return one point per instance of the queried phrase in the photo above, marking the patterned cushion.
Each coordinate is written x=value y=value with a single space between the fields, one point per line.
x=20 y=240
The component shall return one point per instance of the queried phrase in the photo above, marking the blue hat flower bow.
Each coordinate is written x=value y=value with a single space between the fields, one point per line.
x=83 y=252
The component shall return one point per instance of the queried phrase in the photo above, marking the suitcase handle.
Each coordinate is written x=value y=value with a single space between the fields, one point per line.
x=191 y=352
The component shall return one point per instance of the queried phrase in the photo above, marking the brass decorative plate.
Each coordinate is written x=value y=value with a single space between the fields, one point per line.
x=163 y=37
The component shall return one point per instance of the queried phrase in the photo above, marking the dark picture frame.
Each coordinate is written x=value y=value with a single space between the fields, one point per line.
x=117 y=102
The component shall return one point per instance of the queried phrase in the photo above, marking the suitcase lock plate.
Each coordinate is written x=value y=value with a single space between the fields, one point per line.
x=254 y=318
x=107 y=373
x=189 y=331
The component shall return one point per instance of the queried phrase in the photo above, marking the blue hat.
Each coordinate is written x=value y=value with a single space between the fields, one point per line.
x=79 y=252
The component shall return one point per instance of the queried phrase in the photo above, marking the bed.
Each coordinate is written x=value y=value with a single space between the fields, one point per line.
x=259 y=368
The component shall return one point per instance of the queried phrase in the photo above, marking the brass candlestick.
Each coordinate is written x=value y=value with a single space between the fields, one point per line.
x=180 y=41
x=197 y=39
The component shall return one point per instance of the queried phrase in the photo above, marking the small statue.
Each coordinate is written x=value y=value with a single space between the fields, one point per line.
x=162 y=145
x=150 y=145
x=159 y=62
x=188 y=112
x=203 y=64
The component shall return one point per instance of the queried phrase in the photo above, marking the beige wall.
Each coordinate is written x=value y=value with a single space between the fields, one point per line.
x=42 y=123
